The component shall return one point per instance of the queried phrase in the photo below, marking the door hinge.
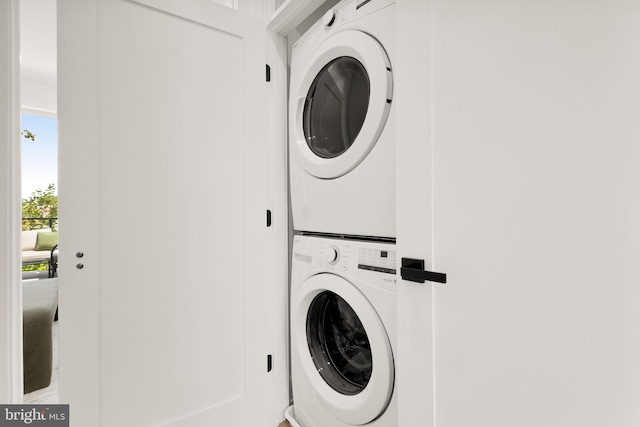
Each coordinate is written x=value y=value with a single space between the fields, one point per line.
x=268 y=218
x=269 y=363
x=268 y=73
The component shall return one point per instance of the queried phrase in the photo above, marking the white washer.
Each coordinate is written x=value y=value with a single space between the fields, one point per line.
x=343 y=311
x=341 y=122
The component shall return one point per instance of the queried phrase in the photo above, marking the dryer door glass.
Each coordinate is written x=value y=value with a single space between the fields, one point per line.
x=338 y=344
x=336 y=107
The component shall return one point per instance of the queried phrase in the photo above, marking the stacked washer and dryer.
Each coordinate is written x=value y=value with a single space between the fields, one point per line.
x=342 y=181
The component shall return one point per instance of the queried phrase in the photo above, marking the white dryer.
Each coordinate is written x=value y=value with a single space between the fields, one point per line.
x=341 y=122
x=343 y=311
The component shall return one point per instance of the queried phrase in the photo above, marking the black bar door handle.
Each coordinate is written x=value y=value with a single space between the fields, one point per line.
x=413 y=271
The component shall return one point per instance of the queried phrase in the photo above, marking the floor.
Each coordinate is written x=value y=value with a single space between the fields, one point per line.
x=48 y=395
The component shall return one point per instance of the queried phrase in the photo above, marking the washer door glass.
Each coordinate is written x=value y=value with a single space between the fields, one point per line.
x=336 y=107
x=338 y=343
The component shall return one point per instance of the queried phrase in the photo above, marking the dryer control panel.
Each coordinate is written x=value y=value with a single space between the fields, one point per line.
x=345 y=12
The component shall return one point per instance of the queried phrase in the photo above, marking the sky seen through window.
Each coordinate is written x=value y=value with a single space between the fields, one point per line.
x=39 y=158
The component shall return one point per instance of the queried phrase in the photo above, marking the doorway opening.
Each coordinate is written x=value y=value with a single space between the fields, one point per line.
x=39 y=179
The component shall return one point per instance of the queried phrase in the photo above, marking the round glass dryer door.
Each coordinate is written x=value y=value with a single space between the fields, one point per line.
x=336 y=107
x=341 y=102
x=343 y=348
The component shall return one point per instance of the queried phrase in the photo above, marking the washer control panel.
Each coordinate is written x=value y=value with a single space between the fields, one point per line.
x=345 y=255
x=336 y=255
x=382 y=261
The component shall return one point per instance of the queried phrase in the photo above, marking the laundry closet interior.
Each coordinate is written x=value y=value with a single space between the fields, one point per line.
x=418 y=213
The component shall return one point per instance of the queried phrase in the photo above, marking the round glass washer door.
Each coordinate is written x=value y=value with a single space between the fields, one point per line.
x=343 y=347
x=341 y=102
x=338 y=343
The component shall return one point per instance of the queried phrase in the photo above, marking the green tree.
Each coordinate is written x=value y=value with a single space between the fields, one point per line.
x=41 y=204
x=28 y=135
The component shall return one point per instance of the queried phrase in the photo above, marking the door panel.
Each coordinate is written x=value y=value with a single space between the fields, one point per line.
x=535 y=208
x=181 y=199
x=521 y=187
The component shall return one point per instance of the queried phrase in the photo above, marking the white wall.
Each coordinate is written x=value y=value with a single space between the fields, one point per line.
x=38 y=57
x=10 y=295
x=38 y=96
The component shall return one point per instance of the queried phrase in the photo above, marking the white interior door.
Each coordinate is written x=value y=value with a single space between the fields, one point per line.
x=532 y=169
x=162 y=189
x=536 y=208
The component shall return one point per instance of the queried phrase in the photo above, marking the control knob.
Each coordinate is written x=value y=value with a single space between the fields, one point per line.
x=333 y=254
x=329 y=18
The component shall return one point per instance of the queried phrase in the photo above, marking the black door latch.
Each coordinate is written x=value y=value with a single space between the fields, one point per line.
x=413 y=271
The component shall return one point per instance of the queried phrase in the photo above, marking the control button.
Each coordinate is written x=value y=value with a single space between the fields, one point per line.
x=333 y=255
x=329 y=18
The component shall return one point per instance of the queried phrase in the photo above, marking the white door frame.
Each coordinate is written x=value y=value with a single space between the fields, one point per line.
x=414 y=217
x=10 y=283
x=278 y=203
x=415 y=234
